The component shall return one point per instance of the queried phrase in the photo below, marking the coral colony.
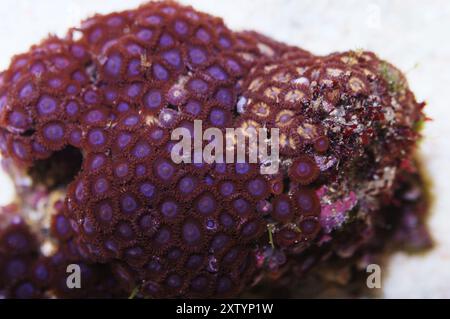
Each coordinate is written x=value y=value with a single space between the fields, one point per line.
x=85 y=132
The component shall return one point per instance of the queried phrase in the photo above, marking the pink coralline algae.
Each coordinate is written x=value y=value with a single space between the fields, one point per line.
x=88 y=117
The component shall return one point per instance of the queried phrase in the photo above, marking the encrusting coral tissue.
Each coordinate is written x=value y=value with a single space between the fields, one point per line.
x=85 y=133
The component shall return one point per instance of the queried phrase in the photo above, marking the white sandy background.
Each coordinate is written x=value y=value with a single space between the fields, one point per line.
x=413 y=34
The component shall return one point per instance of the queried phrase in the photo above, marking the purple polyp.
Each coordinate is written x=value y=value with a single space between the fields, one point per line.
x=54 y=132
x=134 y=252
x=97 y=162
x=134 y=49
x=165 y=40
x=134 y=67
x=46 y=105
x=148 y=222
x=217 y=73
x=242 y=168
x=165 y=170
x=283 y=208
x=128 y=204
x=141 y=170
x=3 y=145
x=134 y=90
x=241 y=205
x=220 y=168
x=206 y=204
x=191 y=233
x=153 y=99
x=167 y=117
x=94 y=117
x=198 y=86
x=209 y=180
x=91 y=97
x=193 y=108
x=303 y=169
x=25 y=291
x=61 y=63
x=125 y=230
x=154 y=266
x=37 y=68
x=79 y=191
x=79 y=76
x=174 y=281
x=123 y=107
x=153 y=20
x=173 y=57
x=141 y=150
x=95 y=35
x=308 y=225
x=217 y=117
x=234 y=66
x=160 y=73
x=224 y=285
x=72 y=108
x=169 y=10
x=199 y=283
x=88 y=227
x=181 y=27
x=123 y=140
x=78 y=51
x=305 y=201
x=202 y=35
x=105 y=212
x=121 y=170
x=26 y=91
x=41 y=272
x=15 y=269
x=97 y=137
x=264 y=207
x=101 y=185
x=18 y=120
x=75 y=137
x=17 y=241
x=163 y=237
x=226 y=220
x=114 y=65
x=74 y=226
x=112 y=246
x=157 y=134
x=224 y=42
x=169 y=209
x=62 y=225
x=225 y=97
x=194 y=261
x=20 y=150
x=187 y=185
x=256 y=187
x=249 y=229
x=55 y=83
x=219 y=242
x=211 y=224
x=131 y=120
x=226 y=189
x=38 y=147
x=147 y=189
x=231 y=256
x=145 y=34
x=72 y=89
x=197 y=56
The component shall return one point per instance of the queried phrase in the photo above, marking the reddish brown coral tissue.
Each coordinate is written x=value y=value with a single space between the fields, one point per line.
x=87 y=118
